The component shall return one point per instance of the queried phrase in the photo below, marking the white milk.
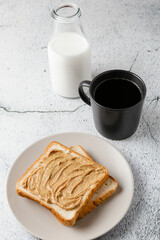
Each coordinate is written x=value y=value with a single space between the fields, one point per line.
x=70 y=63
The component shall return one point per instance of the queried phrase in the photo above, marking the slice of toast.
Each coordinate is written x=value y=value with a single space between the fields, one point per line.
x=62 y=181
x=104 y=192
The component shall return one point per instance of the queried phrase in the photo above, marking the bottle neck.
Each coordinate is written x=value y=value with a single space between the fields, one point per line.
x=67 y=13
x=72 y=27
x=67 y=19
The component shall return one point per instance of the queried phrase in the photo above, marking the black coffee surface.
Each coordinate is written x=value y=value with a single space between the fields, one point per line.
x=117 y=93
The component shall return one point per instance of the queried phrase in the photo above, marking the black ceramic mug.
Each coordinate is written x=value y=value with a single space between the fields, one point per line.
x=116 y=98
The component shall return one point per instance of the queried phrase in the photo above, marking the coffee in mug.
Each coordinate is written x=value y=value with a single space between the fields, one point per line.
x=117 y=93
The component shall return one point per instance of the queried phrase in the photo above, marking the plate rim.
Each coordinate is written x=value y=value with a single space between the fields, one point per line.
x=55 y=135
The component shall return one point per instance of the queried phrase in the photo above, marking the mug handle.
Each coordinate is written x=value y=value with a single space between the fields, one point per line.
x=82 y=94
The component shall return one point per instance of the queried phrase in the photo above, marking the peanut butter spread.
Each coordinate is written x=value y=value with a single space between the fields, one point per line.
x=62 y=179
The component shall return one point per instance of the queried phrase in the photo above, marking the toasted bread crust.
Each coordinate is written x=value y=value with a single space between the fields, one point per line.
x=93 y=204
x=88 y=156
x=67 y=222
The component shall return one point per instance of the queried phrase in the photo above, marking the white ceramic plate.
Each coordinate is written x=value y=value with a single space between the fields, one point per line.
x=41 y=223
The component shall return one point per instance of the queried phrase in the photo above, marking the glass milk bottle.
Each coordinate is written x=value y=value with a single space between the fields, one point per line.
x=68 y=52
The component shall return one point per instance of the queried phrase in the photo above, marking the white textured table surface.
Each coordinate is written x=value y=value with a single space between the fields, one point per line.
x=123 y=34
